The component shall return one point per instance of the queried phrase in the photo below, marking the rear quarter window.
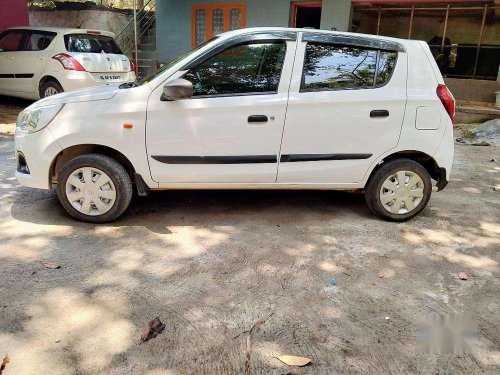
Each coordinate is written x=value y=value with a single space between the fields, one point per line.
x=89 y=43
x=340 y=67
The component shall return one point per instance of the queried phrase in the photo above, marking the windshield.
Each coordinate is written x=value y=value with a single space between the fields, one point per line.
x=170 y=64
x=90 y=43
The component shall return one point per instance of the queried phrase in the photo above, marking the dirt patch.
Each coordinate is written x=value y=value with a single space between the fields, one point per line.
x=334 y=284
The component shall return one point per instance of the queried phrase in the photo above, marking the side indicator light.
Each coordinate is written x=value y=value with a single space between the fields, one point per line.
x=128 y=126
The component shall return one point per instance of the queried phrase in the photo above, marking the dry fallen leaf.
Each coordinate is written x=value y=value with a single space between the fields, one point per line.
x=155 y=327
x=386 y=273
x=293 y=360
x=4 y=363
x=463 y=276
x=51 y=265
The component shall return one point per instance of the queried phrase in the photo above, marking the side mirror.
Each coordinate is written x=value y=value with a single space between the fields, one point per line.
x=177 y=89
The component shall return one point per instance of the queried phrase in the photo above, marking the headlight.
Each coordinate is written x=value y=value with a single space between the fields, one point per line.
x=34 y=119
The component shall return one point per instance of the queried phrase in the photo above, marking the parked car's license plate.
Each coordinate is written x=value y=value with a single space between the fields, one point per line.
x=110 y=77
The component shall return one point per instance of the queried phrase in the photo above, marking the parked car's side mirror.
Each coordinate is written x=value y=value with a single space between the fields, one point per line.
x=177 y=89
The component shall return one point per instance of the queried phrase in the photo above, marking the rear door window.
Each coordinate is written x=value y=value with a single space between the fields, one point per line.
x=340 y=67
x=90 y=43
x=11 y=40
x=38 y=40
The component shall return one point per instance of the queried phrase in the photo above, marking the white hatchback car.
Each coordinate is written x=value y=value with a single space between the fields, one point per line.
x=37 y=62
x=266 y=108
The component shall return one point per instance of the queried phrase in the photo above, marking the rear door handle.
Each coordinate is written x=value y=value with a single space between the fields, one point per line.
x=379 y=113
x=257 y=119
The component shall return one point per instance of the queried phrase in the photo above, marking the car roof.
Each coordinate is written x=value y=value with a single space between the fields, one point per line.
x=314 y=31
x=64 y=30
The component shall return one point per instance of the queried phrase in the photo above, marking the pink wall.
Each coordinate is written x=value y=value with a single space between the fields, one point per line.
x=13 y=13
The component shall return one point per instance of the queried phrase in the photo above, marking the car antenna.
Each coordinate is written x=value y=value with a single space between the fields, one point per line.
x=80 y=26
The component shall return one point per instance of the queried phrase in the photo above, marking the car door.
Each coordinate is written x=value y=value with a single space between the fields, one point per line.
x=11 y=42
x=30 y=63
x=346 y=108
x=230 y=130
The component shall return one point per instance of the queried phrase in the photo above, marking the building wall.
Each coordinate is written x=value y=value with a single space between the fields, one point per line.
x=88 y=19
x=13 y=13
x=478 y=91
x=174 y=20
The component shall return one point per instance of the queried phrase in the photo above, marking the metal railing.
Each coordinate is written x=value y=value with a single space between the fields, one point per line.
x=445 y=11
x=143 y=21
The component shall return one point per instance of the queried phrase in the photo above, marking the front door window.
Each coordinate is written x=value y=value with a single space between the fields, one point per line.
x=240 y=70
x=212 y=19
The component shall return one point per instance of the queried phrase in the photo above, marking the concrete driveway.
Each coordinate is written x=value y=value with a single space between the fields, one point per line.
x=327 y=280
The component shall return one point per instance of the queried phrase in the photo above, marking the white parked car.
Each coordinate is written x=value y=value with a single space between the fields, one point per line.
x=37 y=62
x=266 y=108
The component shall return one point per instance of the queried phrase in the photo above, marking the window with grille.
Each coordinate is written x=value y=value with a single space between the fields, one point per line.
x=212 y=19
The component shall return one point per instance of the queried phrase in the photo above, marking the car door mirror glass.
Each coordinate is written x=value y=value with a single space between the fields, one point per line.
x=177 y=89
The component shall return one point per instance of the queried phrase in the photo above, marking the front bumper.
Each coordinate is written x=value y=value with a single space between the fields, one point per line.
x=34 y=155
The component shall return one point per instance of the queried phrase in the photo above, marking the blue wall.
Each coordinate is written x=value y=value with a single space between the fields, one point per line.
x=173 y=22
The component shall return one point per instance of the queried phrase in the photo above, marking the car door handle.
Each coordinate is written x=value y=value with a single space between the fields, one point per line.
x=379 y=113
x=257 y=119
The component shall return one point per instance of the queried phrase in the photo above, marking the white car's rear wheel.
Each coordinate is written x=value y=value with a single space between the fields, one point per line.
x=50 y=88
x=94 y=188
x=399 y=190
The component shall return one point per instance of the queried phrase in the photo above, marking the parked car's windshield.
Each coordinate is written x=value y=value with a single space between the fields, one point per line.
x=173 y=62
x=90 y=43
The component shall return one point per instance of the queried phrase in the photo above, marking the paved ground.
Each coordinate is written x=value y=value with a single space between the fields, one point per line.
x=211 y=264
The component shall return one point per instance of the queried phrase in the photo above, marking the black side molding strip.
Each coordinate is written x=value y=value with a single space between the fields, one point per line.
x=20 y=75
x=318 y=157
x=255 y=159
x=240 y=159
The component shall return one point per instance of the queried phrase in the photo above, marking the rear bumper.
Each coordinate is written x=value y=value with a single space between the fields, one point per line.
x=74 y=80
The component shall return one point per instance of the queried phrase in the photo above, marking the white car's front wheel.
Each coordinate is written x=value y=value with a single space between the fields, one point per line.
x=94 y=188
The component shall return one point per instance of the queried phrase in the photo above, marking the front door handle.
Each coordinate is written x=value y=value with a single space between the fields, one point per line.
x=257 y=119
x=379 y=113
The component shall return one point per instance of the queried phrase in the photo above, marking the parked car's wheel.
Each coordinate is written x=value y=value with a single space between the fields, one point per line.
x=399 y=190
x=94 y=188
x=50 y=88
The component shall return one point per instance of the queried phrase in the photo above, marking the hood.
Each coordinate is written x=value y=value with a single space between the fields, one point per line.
x=84 y=95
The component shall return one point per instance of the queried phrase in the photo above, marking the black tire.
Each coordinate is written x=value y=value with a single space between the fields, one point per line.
x=50 y=84
x=374 y=186
x=116 y=172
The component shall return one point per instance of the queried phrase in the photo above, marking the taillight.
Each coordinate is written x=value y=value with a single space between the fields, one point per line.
x=447 y=99
x=69 y=62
